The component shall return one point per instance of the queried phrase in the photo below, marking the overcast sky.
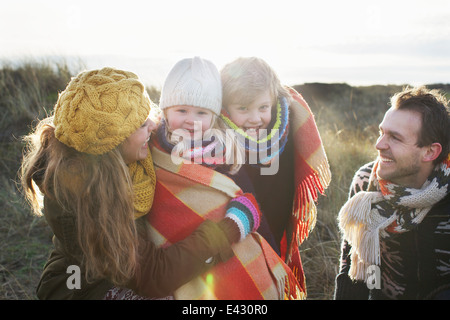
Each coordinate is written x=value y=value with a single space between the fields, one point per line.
x=353 y=41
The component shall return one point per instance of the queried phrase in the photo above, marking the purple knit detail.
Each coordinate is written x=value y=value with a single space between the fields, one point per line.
x=248 y=204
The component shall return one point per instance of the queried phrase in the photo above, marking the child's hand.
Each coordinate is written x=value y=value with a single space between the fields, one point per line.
x=244 y=211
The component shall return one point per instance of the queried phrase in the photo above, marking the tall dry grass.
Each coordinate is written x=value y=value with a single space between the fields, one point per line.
x=347 y=118
x=320 y=252
x=28 y=90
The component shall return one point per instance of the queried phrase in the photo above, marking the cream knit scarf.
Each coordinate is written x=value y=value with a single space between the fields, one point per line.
x=386 y=209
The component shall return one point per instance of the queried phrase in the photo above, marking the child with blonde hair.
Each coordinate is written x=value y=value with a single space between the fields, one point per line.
x=192 y=187
x=275 y=123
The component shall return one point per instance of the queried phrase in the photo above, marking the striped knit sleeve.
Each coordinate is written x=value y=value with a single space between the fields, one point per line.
x=360 y=180
x=244 y=211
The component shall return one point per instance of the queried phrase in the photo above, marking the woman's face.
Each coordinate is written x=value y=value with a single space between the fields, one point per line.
x=135 y=147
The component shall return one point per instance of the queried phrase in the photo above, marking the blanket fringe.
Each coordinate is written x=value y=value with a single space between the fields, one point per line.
x=304 y=214
x=291 y=288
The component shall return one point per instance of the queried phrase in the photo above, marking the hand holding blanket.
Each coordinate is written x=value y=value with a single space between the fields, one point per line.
x=244 y=212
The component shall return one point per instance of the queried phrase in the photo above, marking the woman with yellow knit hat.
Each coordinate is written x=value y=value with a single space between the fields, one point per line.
x=91 y=162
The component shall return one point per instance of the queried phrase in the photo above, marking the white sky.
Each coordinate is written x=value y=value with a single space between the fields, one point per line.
x=353 y=41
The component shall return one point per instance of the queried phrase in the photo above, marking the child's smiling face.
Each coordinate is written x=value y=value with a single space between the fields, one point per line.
x=254 y=116
x=185 y=117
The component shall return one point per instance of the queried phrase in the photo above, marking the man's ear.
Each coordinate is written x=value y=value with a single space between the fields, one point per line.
x=433 y=151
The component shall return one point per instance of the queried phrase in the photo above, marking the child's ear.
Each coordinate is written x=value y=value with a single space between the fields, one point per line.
x=433 y=151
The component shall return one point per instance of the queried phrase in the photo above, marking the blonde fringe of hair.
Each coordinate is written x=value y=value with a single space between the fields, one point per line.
x=247 y=77
x=97 y=189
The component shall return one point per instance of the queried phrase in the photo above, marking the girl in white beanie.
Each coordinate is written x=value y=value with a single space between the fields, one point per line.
x=191 y=101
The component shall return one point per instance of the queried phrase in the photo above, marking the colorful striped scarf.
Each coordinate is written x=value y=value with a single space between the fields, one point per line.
x=311 y=171
x=211 y=152
x=186 y=195
x=386 y=209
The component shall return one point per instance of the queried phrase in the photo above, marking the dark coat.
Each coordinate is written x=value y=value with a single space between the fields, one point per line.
x=414 y=264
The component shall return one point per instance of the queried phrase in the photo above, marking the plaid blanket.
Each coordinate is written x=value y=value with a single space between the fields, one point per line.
x=311 y=175
x=186 y=195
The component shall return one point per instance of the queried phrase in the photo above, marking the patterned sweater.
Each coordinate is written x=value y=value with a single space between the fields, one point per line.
x=414 y=264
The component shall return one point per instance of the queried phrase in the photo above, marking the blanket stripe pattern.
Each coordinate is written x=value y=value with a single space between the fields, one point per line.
x=186 y=195
x=312 y=175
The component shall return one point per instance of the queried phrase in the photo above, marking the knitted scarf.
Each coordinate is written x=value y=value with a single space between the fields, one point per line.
x=311 y=169
x=186 y=195
x=143 y=178
x=386 y=209
x=204 y=154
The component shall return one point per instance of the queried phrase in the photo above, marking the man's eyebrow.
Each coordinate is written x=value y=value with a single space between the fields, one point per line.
x=391 y=132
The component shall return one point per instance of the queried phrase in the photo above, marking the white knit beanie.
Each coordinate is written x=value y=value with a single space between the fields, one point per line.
x=193 y=82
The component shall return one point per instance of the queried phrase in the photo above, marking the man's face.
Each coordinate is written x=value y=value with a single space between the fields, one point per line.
x=400 y=157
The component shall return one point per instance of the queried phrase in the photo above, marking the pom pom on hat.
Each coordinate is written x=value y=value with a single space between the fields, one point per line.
x=99 y=109
x=193 y=82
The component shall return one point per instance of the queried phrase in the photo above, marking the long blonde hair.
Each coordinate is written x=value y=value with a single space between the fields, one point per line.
x=97 y=189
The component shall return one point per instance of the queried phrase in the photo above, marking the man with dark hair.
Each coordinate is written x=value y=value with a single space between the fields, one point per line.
x=396 y=223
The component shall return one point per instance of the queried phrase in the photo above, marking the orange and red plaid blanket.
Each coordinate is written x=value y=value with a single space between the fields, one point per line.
x=186 y=195
x=312 y=175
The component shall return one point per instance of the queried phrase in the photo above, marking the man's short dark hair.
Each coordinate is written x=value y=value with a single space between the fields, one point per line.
x=434 y=109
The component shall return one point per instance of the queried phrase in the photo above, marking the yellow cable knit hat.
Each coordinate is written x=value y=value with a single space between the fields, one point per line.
x=99 y=109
